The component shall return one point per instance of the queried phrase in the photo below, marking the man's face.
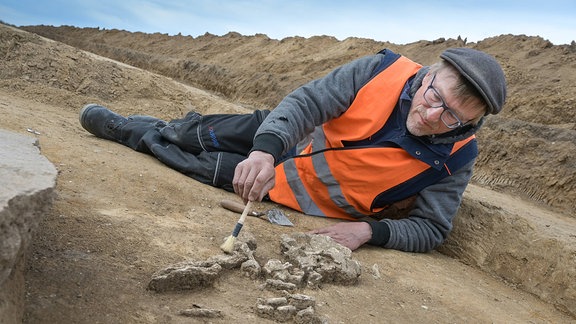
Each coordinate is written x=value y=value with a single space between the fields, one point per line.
x=424 y=120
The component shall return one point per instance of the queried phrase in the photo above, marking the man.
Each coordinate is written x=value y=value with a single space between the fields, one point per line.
x=376 y=134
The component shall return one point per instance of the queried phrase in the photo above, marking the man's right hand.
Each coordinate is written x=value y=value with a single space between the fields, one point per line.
x=255 y=176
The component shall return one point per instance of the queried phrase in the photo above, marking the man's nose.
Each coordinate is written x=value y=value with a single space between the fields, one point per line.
x=433 y=114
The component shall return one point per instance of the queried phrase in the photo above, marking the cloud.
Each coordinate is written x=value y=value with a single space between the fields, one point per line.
x=398 y=22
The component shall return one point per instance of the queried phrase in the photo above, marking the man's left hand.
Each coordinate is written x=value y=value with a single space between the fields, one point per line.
x=352 y=235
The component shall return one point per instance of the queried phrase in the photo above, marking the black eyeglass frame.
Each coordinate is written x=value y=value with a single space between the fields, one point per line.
x=442 y=104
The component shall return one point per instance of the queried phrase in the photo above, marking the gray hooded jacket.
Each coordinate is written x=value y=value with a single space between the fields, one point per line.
x=430 y=220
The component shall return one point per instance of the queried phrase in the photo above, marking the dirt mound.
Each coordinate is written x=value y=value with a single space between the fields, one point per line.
x=120 y=216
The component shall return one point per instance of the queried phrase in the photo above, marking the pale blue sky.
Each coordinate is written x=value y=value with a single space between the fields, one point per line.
x=399 y=22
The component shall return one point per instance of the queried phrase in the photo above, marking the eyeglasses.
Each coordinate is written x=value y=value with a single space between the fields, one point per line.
x=435 y=100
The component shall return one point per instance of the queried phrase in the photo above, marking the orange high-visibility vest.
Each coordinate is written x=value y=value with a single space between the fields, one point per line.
x=329 y=179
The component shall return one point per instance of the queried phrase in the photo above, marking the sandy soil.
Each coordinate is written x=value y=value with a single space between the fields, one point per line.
x=120 y=216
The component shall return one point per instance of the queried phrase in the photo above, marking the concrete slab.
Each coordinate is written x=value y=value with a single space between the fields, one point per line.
x=27 y=187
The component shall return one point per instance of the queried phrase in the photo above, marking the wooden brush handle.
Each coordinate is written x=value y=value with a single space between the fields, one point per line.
x=245 y=212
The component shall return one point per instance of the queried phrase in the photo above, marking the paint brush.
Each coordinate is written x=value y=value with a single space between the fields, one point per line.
x=228 y=245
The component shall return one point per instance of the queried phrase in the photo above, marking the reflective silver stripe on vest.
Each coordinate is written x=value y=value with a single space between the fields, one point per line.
x=324 y=175
x=306 y=204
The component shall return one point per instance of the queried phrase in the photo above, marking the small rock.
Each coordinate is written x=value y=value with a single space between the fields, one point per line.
x=301 y=301
x=273 y=266
x=284 y=313
x=201 y=312
x=376 y=271
x=308 y=316
x=266 y=311
x=273 y=284
x=229 y=261
x=186 y=275
x=314 y=279
x=251 y=268
x=277 y=301
x=305 y=316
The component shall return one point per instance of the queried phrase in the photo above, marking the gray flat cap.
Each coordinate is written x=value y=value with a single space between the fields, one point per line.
x=483 y=71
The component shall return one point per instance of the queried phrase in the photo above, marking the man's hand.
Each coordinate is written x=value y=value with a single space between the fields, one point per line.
x=352 y=235
x=255 y=176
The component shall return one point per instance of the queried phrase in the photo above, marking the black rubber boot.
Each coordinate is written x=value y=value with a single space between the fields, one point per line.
x=106 y=124
x=101 y=122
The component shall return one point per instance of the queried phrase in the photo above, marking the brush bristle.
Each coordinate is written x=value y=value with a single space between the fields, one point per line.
x=228 y=245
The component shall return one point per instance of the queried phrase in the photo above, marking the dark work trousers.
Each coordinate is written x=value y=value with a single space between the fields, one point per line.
x=206 y=148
